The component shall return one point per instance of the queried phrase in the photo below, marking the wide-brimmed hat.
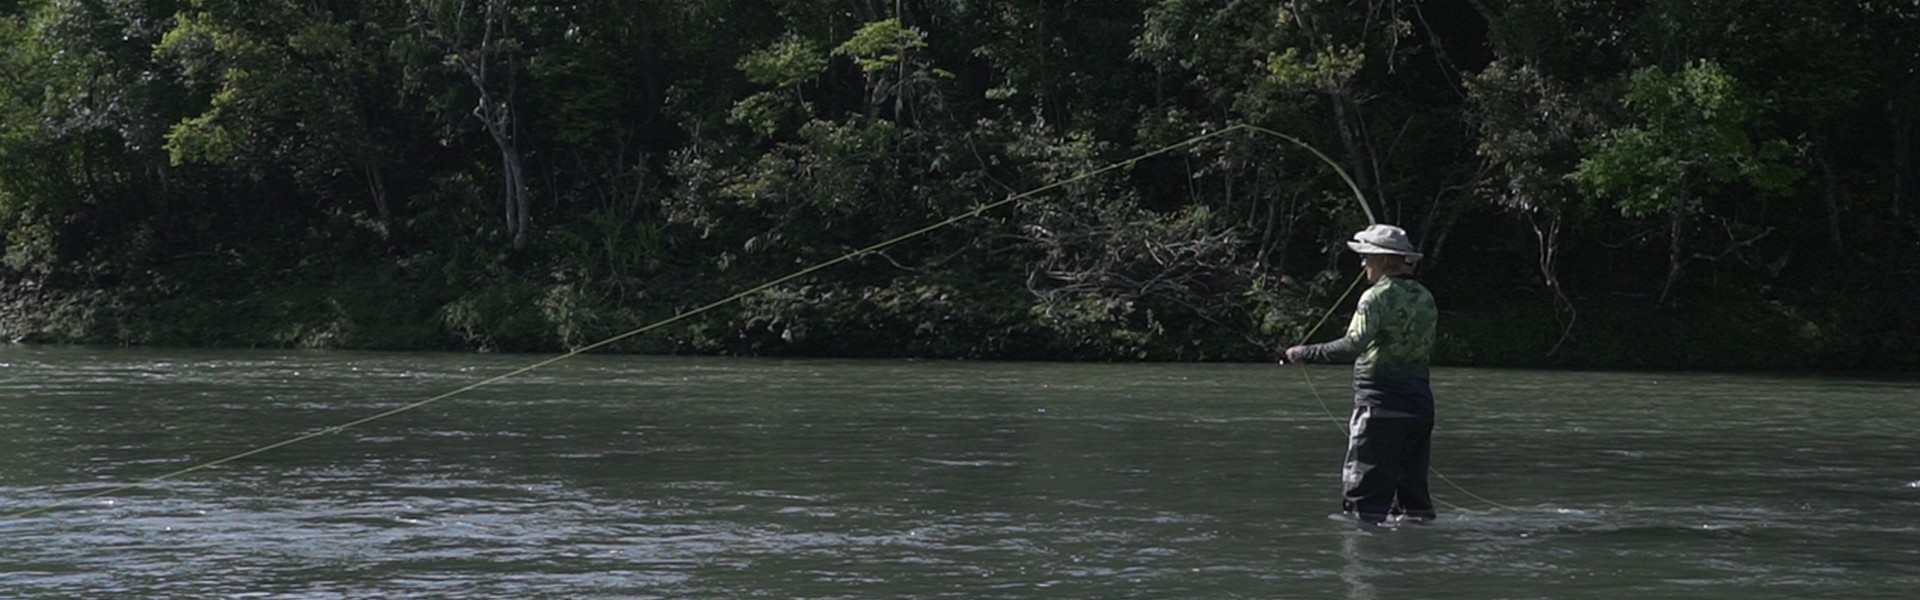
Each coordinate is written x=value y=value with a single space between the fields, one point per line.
x=1384 y=239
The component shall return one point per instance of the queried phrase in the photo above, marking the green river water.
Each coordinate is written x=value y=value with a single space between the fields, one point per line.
x=649 y=477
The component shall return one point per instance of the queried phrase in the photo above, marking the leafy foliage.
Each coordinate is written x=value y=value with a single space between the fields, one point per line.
x=881 y=44
x=1690 y=140
x=526 y=175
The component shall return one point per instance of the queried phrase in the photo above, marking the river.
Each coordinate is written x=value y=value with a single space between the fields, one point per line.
x=662 y=477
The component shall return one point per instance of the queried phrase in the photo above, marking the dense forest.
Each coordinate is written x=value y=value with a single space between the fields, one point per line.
x=1596 y=183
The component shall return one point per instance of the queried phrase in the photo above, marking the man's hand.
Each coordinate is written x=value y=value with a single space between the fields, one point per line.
x=1296 y=354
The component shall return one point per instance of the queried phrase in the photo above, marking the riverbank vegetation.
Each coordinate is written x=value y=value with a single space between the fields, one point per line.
x=1654 y=183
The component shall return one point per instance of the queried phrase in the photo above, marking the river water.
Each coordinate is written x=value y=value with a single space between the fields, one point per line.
x=648 y=477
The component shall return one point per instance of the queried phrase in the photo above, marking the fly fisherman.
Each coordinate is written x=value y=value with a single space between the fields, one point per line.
x=1390 y=342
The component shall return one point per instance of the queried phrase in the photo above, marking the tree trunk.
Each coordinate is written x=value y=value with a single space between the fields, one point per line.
x=1676 y=248
x=499 y=121
x=1831 y=185
x=496 y=114
x=1902 y=158
x=519 y=218
x=1548 y=237
x=377 y=189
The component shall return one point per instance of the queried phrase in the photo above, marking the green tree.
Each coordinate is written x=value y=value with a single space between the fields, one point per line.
x=1689 y=142
x=293 y=88
x=890 y=57
x=83 y=140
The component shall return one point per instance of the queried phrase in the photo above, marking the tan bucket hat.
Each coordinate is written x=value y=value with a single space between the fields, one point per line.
x=1384 y=239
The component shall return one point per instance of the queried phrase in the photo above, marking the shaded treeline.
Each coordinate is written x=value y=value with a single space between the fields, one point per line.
x=1602 y=183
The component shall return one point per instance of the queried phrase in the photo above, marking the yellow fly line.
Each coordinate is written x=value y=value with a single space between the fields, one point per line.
x=975 y=212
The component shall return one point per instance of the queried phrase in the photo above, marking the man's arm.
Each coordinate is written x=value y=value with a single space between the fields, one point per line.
x=1340 y=350
x=1360 y=332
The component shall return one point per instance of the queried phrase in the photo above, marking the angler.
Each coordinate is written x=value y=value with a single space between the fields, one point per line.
x=1390 y=341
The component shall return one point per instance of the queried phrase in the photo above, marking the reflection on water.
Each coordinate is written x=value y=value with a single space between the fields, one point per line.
x=1355 y=574
x=675 y=478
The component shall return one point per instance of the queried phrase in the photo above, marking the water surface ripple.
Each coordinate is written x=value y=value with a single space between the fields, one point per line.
x=625 y=477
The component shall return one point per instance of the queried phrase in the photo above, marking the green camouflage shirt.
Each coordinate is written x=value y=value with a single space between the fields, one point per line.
x=1390 y=342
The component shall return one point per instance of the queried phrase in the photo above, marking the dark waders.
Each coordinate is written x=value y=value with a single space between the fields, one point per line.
x=1386 y=470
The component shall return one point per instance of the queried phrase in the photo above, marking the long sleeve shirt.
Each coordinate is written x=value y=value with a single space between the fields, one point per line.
x=1390 y=341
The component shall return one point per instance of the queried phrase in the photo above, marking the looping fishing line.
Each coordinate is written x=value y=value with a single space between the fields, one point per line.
x=975 y=212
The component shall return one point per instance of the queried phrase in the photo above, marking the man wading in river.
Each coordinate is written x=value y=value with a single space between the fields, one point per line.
x=1390 y=342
